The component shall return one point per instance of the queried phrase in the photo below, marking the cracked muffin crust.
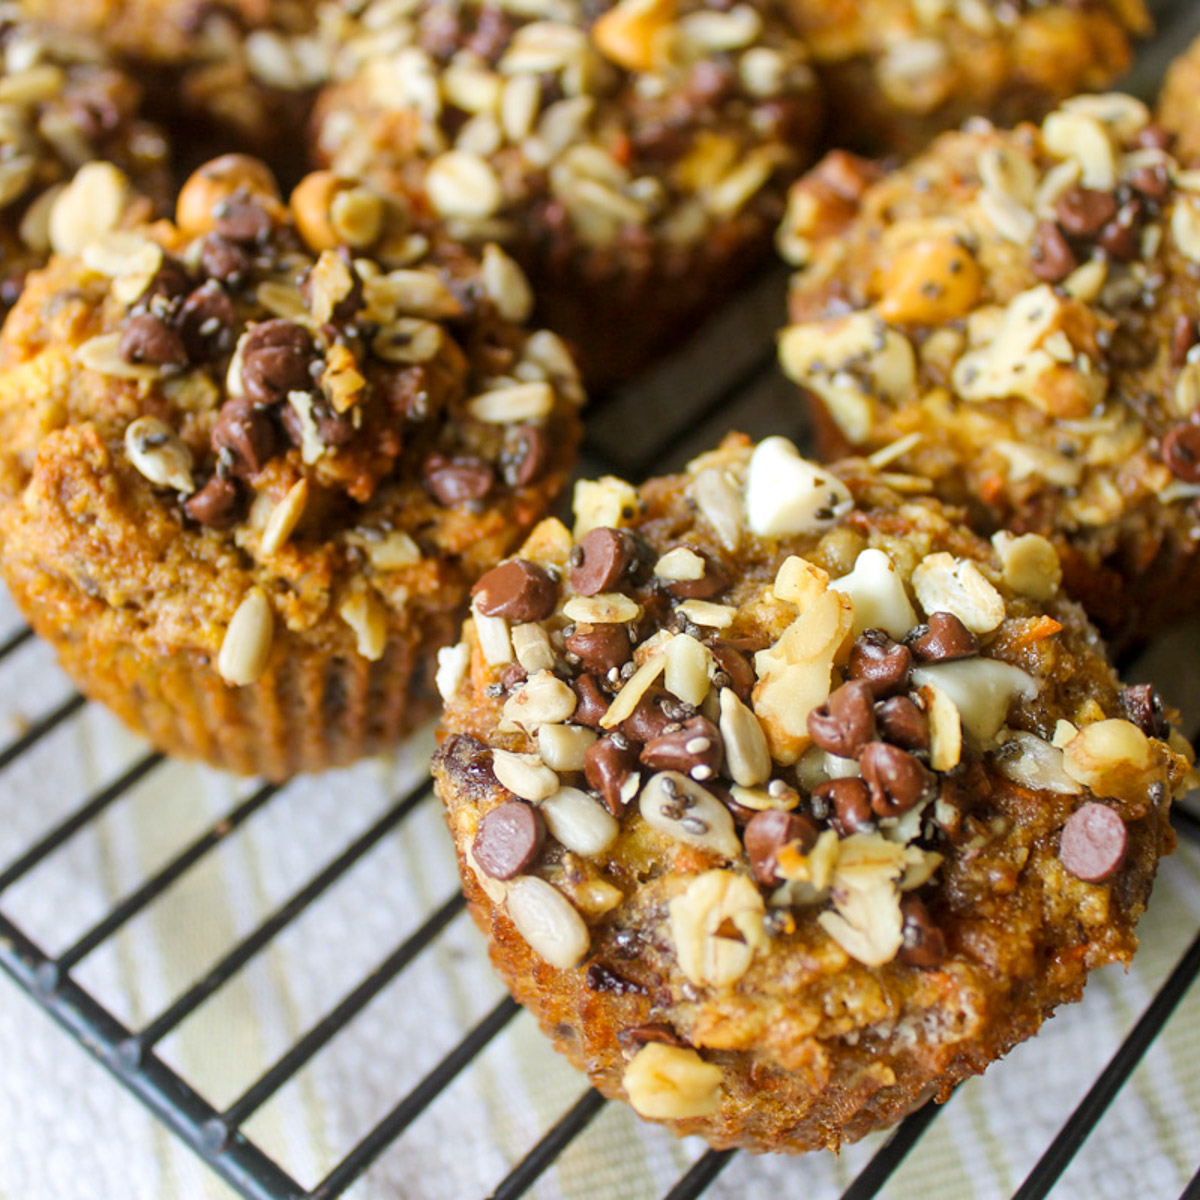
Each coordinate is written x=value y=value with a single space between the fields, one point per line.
x=247 y=476
x=897 y=72
x=785 y=802
x=66 y=108
x=1015 y=312
x=632 y=157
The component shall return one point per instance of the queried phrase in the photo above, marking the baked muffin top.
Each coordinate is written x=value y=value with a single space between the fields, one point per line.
x=785 y=799
x=588 y=121
x=358 y=426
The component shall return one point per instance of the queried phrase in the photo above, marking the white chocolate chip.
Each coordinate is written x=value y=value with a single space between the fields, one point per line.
x=786 y=494
x=879 y=596
x=982 y=689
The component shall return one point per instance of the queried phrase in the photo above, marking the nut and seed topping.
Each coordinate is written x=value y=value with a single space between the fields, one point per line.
x=159 y=454
x=246 y=647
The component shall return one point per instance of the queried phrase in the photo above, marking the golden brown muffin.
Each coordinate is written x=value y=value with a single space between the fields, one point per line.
x=1177 y=106
x=64 y=106
x=900 y=71
x=785 y=802
x=217 y=70
x=246 y=481
x=631 y=156
x=1015 y=313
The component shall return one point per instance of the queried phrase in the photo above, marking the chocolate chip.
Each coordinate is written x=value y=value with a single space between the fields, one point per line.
x=901 y=722
x=896 y=779
x=1120 y=237
x=634 y=1039
x=169 y=284
x=606 y=765
x=217 y=504
x=601 y=647
x=1184 y=336
x=943 y=639
x=880 y=662
x=1152 y=181
x=767 y=833
x=206 y=323
x=275 y=361
x=1051 y=257
x=223 y=260
x=847 y=804
x=517 y=589
x=590 y=703
x=694 y=749
x=1083 y=212
x=600 y=978
x=1093 y=842
x=653 y=713
x=512 y=676
x=1144 y=707
x=454 y=481
x=600 y=560
x=1181 y=452
x=924 y=943
x=1153 y=137
x=149 y=339
x=714 y=580
x=525 y=456
x=241 y=218
x=244 y=437
x=846 y=721
x=736 y=667
x=508 y=839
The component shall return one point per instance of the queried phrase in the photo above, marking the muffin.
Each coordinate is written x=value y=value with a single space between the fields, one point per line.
x=235 y=71
x=246 y=483
x=65 y=107
x=784 y=802
x=1177 y=104
x=1013 y=316
x=898 y=72
x=633 y=157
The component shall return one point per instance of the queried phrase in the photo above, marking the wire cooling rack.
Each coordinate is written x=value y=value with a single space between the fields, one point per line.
x=329 y=908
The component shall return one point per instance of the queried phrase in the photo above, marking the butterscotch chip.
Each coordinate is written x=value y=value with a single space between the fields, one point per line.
x=799 y=840
x=284 y=516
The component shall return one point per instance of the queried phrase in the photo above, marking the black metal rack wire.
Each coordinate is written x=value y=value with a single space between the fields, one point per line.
x=743 y=392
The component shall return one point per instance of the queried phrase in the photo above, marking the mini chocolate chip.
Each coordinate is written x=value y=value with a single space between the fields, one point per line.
x=767 y=833
x=1093 y=842
x=526 y=456
x=600 y=560
x=169 y=285
x=600 y=978
x=275 y=361
x=634 y=1039
x=1153 y=137
x=943 y=639
x=694 y=749
x=332 y=428
x=606 y=765
x=1181 y=452
x=508 y=839
x=1184 y=336
x=241 y=218
x=517 y=589
x=223 y=260
x=1051 y=257
x=1144 y=707
x=454 y=481
x=737 y=667
x=149 y=339
x=590 y=703
x=714 y=580
x=901 y=722
x=206 y=322
x=244 y=437
x=650 y=717
x=846 y=721
x=513 y=675
x=880 y=662
x=1152 y=181
x=1083 y=212
x=1120 y=237
x=601 y=647
x=216 y=504
x=924 y=943
x=896 y=779
x=850 y=802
